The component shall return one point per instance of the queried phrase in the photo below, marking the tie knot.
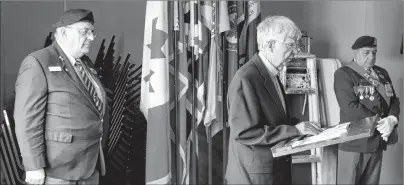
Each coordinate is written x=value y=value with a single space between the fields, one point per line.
x=78 y=63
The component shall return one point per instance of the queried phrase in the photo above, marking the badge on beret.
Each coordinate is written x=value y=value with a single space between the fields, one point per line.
x=375 y=41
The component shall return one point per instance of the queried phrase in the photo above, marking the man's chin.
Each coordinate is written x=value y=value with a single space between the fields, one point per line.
x=85 y=50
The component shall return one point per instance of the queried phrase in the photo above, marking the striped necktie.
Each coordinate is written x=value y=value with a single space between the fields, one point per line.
x=89 y=85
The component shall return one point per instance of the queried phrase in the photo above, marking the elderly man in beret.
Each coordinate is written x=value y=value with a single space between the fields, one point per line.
x=60 y=107
x=364 y=89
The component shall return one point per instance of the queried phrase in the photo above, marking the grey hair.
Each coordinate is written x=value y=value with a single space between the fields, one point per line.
x=272 y=26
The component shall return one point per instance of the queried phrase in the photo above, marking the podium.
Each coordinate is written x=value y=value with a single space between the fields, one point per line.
x=354 y=130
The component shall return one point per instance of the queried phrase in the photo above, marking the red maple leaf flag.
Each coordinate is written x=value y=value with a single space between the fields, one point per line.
x=155 y=93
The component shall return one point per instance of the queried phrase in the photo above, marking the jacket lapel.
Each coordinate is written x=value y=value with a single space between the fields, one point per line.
x=67 y=67
x=269 y=84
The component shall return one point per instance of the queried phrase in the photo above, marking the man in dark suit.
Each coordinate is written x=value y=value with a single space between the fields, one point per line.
x=60 y=107
x=364 y=90
x=258 y=113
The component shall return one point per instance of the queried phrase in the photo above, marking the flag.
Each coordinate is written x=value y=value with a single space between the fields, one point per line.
x=219 y=21
x=196 y=51
x=182 y=87
x=155 y=93
x=247 y=45
x=236 y=15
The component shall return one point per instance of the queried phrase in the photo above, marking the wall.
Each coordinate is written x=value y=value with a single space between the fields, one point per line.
x=335 y=25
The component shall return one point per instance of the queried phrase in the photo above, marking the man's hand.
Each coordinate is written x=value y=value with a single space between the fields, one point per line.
x=35 y=176
x=308 y=128
x=385 y=126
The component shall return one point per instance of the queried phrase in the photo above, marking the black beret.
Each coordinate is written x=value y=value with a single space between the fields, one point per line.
x=74 y=15
x=365 y=41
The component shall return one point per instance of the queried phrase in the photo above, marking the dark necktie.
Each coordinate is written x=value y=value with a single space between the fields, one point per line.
x=89 y=85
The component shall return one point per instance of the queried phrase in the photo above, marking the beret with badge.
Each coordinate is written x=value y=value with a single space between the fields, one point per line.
x=72 y=16
x=364 y=41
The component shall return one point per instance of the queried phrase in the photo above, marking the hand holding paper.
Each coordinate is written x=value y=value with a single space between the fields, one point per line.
x=308 y=128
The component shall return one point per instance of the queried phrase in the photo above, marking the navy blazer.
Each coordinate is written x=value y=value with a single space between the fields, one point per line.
x=57 y=124
x=257 y=121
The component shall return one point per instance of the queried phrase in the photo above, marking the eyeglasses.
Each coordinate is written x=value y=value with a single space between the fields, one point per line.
x=293 y=46
x=85 y=32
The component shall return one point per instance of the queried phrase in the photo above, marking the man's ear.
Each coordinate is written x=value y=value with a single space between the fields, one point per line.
x=355 y=54
x=63 y=32
x=271 y=46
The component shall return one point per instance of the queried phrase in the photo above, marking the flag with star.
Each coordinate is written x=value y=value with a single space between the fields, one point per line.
x=155 y=93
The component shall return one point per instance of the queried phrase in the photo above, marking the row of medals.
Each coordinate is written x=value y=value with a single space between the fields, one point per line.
x=365 y=92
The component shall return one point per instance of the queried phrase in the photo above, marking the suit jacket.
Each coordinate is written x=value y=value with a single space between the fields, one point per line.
x=257 y=121
x=353 y=108
x=57 y=124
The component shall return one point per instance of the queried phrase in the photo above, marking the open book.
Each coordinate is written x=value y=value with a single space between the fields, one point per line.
x=327 y=134
x=340 y=133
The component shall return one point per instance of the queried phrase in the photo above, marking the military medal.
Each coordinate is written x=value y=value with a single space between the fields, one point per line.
x=360 y=89
x=371 y=91
x=355 y=88
x=366 y=91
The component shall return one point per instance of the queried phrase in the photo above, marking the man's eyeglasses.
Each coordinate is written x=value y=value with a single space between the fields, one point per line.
x=292 y=46
x=85 y=32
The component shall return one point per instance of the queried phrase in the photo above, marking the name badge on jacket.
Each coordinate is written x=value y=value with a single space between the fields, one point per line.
x=54 y=68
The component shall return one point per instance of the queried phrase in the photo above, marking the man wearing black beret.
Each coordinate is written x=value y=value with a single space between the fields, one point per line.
x=60 y=107
x=364 y=90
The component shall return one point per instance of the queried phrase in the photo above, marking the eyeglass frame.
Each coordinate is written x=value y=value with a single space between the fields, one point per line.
x=86 y=32
x=296 y=46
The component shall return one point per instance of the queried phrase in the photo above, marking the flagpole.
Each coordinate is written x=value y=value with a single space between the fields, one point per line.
x=193 y=126
x=224 y=107
x=176 y=86
x=209 y=132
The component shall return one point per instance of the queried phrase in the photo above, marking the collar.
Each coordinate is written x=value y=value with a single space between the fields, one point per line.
x=70 y=57
x=270 y=67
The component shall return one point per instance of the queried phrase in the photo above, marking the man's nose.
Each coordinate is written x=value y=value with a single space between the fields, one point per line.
x=91 y=37
x=372 y=56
